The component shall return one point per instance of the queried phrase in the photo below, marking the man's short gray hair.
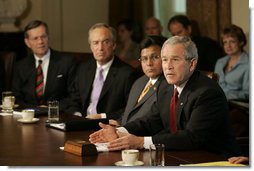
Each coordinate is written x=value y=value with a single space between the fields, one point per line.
x=189 y=46
x=100 y=25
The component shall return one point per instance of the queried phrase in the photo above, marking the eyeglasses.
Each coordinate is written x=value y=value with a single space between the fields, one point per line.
x=146 y=58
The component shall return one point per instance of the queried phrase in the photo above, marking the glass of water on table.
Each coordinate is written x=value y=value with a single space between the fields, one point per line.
x=53 y=111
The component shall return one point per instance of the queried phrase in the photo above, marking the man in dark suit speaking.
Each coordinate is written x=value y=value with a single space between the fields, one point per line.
x=44 y=75
x=103 y=83
x=190 y=114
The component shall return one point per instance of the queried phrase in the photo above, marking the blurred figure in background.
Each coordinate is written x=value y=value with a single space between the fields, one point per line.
x=127 y=49
x=233 y=69
x=153 y=27
x=208 y=49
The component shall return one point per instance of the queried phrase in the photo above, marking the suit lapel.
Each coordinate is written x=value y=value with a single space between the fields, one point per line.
x=87 y=83
x=183 y=99
x=110 y=78
x=31 y=74
x=51 y=75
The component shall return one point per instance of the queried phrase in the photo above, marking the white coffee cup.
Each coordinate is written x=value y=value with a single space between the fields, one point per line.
x=130 y=156
x=28 y=114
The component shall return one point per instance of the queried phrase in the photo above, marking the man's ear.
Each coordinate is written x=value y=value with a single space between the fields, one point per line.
x=193 y=64
x=27 y=42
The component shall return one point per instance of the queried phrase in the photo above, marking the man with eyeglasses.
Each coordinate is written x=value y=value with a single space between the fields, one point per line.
x=143 y=92
x=103 y=83
x=201 y=114
x=44 y=75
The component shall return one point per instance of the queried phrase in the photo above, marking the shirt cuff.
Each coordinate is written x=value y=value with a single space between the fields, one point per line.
x=147 y=142
x=77 y=114
x=103 y=115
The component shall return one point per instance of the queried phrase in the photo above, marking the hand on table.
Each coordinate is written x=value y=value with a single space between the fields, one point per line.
x=106 y=134
x=126 y=141
x=238 y=160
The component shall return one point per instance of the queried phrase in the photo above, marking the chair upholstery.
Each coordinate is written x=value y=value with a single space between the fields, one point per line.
x=8 y=59
x=214 y=76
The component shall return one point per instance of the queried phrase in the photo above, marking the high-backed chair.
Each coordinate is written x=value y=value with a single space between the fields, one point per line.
x=80 y=56
x=8 y=59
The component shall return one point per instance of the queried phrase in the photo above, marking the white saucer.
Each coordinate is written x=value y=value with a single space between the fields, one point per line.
x=121 y=163
x=16 y=105
x=29 y=121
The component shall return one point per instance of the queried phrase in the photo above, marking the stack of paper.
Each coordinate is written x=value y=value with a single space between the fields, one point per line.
x=218 y=163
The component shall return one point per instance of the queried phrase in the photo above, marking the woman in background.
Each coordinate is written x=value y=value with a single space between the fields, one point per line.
x=127 y=49
x=233 y=69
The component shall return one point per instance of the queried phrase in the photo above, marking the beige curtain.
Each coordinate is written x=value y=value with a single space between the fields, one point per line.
x=209 y=16
x=137 y=10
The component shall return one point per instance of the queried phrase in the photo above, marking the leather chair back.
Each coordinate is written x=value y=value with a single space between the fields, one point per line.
x=8 y=59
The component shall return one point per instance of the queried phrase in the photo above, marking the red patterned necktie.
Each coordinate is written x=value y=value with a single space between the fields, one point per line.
x=173 y=104
x=39 y=82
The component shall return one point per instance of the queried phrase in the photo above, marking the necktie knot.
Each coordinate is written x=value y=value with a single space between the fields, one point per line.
x=40 y=62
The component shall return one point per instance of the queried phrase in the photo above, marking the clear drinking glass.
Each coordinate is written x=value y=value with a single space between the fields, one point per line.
x=157 y=154
x=53 y=111
x=8 y=101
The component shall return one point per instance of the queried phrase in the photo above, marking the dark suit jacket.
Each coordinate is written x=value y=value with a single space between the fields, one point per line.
x=209 y=51
x=202 y=118
x=60 y=76
x=136 y=110
x=115 y=91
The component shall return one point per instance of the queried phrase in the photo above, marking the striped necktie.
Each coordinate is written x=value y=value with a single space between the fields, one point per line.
x=39 y=82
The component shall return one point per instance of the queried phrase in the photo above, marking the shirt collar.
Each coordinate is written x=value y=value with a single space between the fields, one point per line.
x=180 y=88
x=105 y=66
x=153 y=80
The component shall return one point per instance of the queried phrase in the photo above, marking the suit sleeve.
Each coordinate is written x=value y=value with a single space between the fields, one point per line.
x=126 y=90
x=71 y=72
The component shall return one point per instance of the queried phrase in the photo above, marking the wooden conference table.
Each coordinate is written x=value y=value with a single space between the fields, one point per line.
x=37 y=145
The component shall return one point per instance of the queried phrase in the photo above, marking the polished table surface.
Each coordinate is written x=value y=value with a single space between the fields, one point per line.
x=38 y=145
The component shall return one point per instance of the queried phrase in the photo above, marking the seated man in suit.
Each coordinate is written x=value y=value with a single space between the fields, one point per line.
x=143 y=91
x=103 y=83
x=153 y=27
x=191 y=111
x=44 y=75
